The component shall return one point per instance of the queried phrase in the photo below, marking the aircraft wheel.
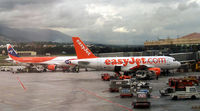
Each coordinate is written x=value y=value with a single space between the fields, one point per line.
x=175 y=98
x=44 y=70
x=193 y=97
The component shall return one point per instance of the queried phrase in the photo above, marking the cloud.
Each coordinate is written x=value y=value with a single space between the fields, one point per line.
x=123 y=30
x=120 y=29
x=105 y=12
x=186 y=5
x=101 y=21
x=108 y=12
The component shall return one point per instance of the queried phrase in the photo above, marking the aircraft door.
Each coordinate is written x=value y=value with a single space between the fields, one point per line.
x=99 y=64
x=168 y=63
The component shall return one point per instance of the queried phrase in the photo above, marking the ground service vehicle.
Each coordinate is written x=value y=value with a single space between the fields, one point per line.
x=142 y=85
x=167 y=91
x=198 y=66
x=126 y=91
x=25 y=69
x=116 y=84
x=124 y=77
x=5 y=68
x=179 y=83
x=196 y=78
x=141 y=101
x=145 y=74
x=189 y=92
x=105 y=77
x=146 y=90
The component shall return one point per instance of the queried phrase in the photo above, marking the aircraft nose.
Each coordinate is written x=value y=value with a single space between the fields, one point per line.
x=178 y=64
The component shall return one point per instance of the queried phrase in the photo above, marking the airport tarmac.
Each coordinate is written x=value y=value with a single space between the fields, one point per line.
x=83 y=91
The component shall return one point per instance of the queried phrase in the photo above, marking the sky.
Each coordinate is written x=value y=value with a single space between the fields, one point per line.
x=121 y=22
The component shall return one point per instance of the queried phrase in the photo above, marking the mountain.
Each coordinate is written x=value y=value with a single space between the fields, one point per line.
x=4 y=40
x=33 y=34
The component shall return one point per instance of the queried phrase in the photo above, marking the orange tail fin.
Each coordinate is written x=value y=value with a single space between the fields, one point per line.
x=82 y=51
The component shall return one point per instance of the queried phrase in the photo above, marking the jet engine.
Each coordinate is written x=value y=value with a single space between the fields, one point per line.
x=51 y=67
x=156 y=70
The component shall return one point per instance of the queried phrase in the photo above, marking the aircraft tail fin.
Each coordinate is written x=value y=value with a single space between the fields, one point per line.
x=82 y=50
x=11 y=51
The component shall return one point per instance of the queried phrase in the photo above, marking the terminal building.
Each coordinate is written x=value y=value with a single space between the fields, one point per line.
x=185 y=49
x=191 y=39
x=187 y=43
x=26 y=53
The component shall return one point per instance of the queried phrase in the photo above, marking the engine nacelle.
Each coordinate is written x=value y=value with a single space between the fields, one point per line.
x=156 y=70
x=51 y=67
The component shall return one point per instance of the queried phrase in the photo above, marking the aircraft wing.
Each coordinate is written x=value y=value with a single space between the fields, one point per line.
x=83 y=63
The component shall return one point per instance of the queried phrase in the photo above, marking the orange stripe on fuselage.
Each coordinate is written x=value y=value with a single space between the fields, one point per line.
x=31 y=59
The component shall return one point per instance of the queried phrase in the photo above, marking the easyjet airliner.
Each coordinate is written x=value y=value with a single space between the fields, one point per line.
x=50 y=63
x=154 y=63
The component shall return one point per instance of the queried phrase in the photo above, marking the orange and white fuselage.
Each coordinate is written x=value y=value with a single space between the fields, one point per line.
x=42 y=60
x=86 y=58
x=58 y=61
x=128 y=63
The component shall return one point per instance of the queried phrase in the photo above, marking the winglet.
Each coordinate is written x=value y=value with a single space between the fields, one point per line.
x=11 y=51
x=82 y=51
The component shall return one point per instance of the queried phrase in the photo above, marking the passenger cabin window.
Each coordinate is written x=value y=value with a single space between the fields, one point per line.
x=192 y=90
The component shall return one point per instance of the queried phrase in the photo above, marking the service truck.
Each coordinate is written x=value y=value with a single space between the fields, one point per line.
x=141 y=101
x=116 y=84
x=126 y=91
x=189 y=92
